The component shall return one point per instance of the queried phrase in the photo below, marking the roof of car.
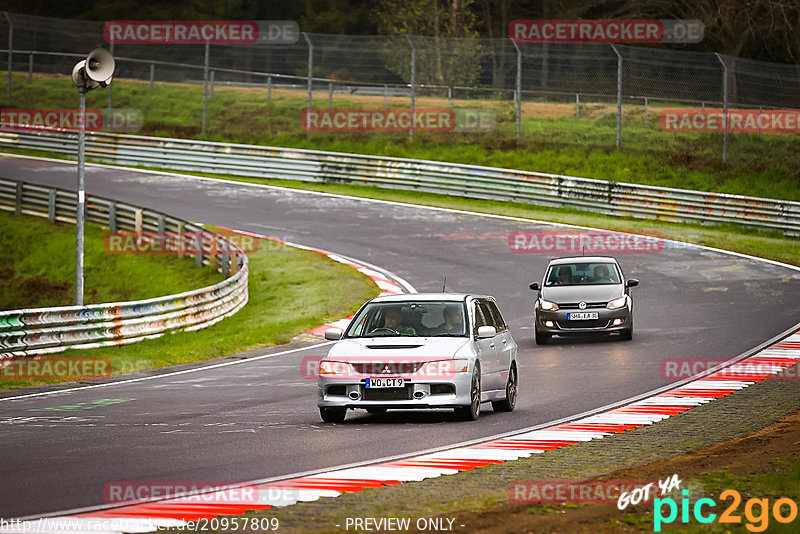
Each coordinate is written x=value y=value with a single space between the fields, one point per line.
x=583 y=259
x=455 y=297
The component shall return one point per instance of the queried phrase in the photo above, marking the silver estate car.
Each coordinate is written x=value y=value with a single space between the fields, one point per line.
x=435 y=350
x=583 y=295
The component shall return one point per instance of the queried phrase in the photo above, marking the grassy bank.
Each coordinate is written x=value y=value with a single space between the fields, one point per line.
x=553 y=139
x=291 y=291
x=37 y=267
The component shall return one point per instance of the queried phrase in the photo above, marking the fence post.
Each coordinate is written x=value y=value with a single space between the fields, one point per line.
x=645 y=112
x=152 y=74
x=330 y=95
x=112 y=216
x=385 y=96
x=619 y=94
x=577 y=106
x=10 y=63
x=450 y=96
x=269 y=88
x=413 y=84
x=310 y=79
x=30 y=67
x=111 y=85
x=18 y=200
x=724 y=108
x=205 y=89
x=518 y=92
x=51 y=205
x=198 y=250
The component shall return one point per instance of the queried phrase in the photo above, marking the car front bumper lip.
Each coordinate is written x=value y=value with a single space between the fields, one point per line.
x=460 y=383
x=604 y=316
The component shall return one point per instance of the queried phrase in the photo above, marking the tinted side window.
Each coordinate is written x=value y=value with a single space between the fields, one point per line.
x=499 y=323
x=487 y=314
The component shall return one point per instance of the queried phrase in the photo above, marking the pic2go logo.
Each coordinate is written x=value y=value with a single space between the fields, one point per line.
x=756 y=511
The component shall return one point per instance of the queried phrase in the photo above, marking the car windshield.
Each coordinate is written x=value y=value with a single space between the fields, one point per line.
x=411 y=318
x=578 y=274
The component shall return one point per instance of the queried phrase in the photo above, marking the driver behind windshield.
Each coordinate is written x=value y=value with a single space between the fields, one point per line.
x=453 y=321
x=393 y=318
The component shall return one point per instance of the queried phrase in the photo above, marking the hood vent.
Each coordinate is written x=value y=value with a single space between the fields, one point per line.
x=393 y=346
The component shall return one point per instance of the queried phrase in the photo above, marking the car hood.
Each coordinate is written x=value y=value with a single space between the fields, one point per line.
x=586 y=293
x=419 y=349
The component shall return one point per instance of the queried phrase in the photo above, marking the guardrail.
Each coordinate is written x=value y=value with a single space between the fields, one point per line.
x=599 y=196
x=46 y=330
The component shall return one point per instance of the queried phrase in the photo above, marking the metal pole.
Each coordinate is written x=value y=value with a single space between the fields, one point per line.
x=310 y=79
x=81 y=201
x=152 y=75
x=330 y=95
x=450 y=97
x=724 y=108
x=645 y=112
x=30 y=67
x=205 y=89
x=10 y=62
x=269 y=88
x=518 y=94
x=385 y=96
x=577 y=106
x=619 y=95
x=413 y=84
x=211 y=85
x=110 y=86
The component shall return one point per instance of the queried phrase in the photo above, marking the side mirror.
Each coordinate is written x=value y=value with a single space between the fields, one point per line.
x=486 y=331
x=535 y=286
x=633 y=282
x=333 y=334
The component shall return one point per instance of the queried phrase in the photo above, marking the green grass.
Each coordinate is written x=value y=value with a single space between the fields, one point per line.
x=37 y=267
x=290 y=292
x=766 y=166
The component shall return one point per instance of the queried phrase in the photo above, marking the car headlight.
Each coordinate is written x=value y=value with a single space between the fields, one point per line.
x=617 y=303
x=445 y=368
x=334 y=368
x=547 y=305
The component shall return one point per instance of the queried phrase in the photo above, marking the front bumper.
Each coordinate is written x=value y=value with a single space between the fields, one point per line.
x=450 y=393
x=557 y=322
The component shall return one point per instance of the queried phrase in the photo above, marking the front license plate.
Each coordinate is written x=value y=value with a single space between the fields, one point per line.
x=376 y=383
x=582 y=316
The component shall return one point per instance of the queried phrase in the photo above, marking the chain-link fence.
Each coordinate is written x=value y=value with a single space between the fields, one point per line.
x=539 y=95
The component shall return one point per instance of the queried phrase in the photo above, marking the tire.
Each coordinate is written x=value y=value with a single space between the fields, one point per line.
x=626 y=335
x=333 y=415
x=541 y=339
x=508 y=404
x=473 y=411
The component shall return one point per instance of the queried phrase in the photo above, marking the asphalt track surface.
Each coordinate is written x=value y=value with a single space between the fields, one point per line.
x=257 y=418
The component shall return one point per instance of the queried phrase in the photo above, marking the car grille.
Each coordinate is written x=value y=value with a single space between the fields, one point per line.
x=576 y=305
x=595 y=323
x=387 y=368
x=403 y=393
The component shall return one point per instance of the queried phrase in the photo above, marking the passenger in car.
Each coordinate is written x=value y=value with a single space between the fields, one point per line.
x=601 y=275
